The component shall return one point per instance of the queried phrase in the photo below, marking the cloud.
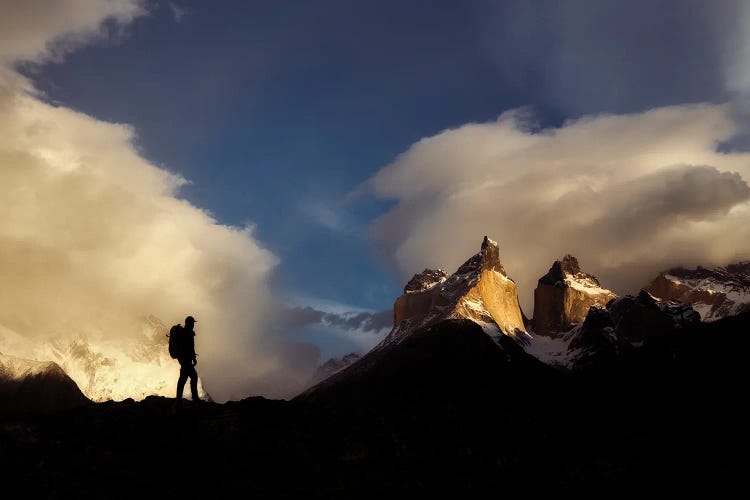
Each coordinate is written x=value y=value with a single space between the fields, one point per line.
x=177 y=11
x=628 y=195
x=350 y=321
x=323 y=215
x=38 y=30
x=336 y=329
x=93 y=237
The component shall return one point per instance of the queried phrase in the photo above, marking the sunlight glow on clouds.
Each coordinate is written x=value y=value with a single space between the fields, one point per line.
x=628 y=195
x=93 y=237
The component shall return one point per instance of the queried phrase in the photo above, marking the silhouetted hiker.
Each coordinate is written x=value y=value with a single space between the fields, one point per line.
x=184 y=345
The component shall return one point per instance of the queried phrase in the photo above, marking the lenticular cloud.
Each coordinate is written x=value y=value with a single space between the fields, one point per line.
x=627 y=194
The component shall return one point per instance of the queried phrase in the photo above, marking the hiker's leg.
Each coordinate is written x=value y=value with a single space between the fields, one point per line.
x=181 y=381
x=194 y=384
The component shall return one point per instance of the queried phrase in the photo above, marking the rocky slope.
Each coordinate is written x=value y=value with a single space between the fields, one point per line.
x=564 y=295
x=332 y=366
x=34 y=386
x=624 y=325
x=714 y=293
x=480 y=291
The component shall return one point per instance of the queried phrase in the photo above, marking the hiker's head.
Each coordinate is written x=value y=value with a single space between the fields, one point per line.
x=190 y=322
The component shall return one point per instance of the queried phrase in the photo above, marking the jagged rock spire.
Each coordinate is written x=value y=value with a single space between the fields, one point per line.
x=479 y=290
x=564 y=295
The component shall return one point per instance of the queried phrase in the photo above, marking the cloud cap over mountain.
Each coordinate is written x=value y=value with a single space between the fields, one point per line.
x=627 y=194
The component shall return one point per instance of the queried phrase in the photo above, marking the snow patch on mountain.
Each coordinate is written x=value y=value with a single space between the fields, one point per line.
x=106 y=368
x=17 y=369
x=587 y=284
x=714 y=293
x=552 y=351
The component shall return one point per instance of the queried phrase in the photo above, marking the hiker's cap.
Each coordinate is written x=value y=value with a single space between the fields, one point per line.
x=190 y=319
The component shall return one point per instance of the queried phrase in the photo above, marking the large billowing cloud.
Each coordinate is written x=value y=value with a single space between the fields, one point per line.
x=93 y=237
x=627 y=194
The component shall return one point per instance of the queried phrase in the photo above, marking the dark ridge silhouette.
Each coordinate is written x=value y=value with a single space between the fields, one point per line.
x=653 y=400
x=448 y=408
x=36 y=387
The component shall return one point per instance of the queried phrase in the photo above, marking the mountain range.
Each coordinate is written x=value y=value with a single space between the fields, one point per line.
x=576 y=320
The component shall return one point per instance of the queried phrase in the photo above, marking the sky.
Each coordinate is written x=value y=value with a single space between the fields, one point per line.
x=284 y=167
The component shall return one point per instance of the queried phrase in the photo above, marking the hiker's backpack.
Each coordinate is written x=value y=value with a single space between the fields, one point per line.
x=175 y=339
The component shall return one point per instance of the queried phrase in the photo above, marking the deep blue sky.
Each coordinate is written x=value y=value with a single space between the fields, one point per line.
x=276 y=110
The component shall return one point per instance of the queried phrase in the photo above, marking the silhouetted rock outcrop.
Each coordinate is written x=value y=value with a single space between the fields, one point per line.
x=627 y=324
x=33 y=386
x=564 y=295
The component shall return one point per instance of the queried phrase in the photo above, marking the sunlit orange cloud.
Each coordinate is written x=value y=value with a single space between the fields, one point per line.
x=98 y=253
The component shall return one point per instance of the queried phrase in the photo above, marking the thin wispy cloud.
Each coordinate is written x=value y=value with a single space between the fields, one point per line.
x=324 y=215
x=177 y=12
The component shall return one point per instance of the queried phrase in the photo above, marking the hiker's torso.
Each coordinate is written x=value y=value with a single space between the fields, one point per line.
x=187 y=345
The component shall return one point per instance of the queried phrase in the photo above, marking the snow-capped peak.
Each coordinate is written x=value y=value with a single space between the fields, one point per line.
x=713 y=293
x=17 y=369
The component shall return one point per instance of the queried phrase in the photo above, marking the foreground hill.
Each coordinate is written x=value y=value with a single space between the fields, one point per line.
x=668 y=416
x=28 y=386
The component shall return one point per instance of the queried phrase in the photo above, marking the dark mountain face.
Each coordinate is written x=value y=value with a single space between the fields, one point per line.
x=451 y=360
x=332 y=366
x=33 y=387
x=447 y=409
